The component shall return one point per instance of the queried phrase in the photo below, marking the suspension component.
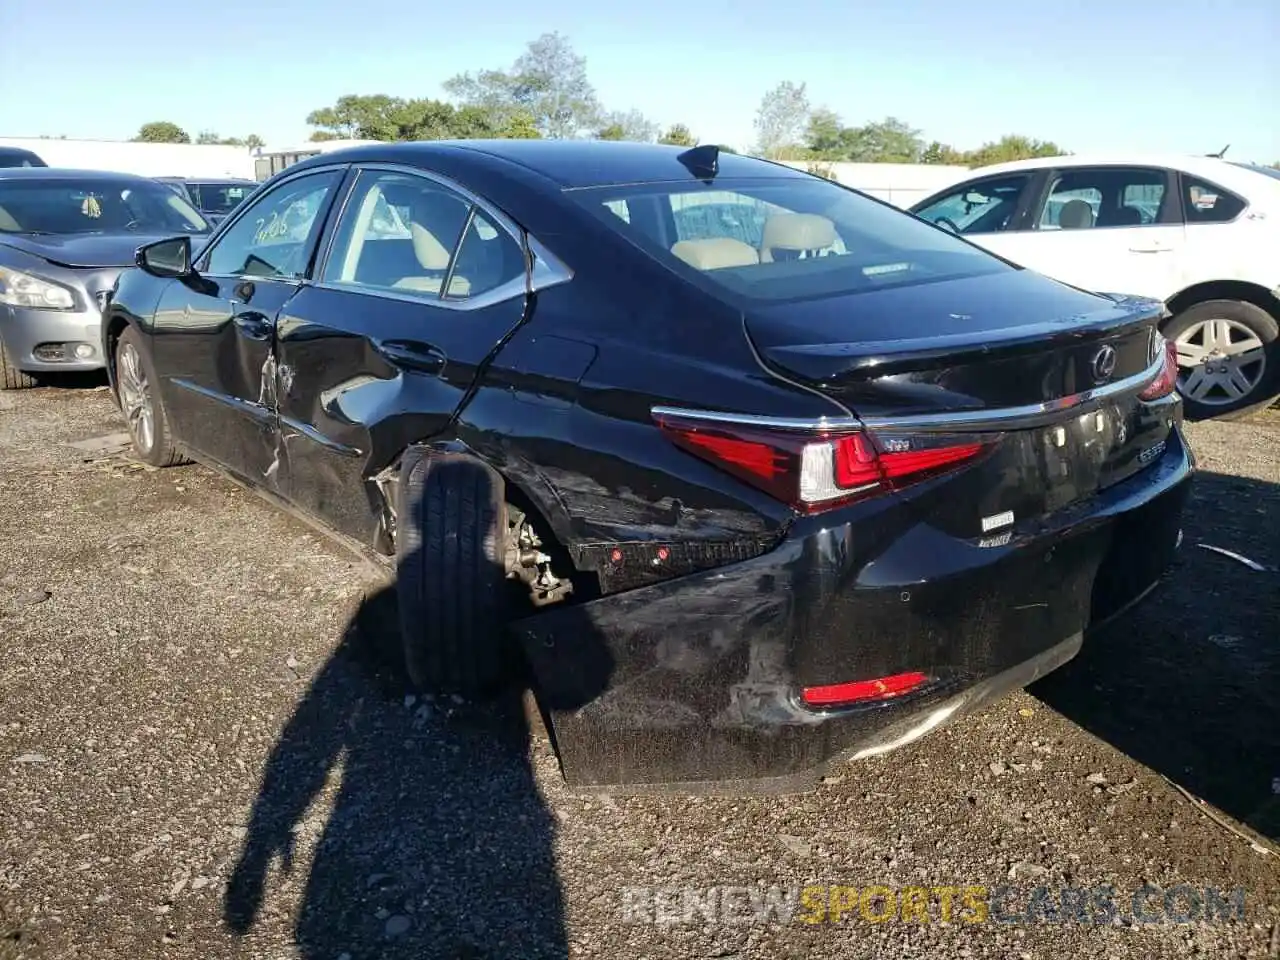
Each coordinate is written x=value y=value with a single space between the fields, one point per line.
x=526 y=561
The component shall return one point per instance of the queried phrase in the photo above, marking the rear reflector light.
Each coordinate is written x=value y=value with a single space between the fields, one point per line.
x=1167 y=379
x=862 y=691
x=815 y=470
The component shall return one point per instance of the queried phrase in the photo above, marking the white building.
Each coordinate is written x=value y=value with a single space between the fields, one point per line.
x=146 y=159
x=901 y=184
x=271 y=160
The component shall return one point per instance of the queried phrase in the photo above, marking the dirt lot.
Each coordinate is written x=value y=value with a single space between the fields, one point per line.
x=204 y=756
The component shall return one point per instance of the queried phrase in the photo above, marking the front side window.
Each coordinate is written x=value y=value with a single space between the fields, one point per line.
x=273 y=237
x=70 y=206
x=1205 y=203
x=985 y=206
x=1103 y=197
x=409 y=234
x=784 y=239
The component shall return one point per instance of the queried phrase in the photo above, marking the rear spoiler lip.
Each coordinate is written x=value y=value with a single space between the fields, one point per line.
x=831 y=362
x=962 y=421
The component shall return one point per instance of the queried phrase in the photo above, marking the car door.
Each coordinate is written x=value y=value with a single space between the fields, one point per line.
x=990 y=211
x=214 y=331
x=1113 y=229
x=420 y=284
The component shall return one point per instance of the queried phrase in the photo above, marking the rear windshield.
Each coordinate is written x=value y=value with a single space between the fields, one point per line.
x=787 y=239
x=67 y=206
x=1272 y=172
x=220 y=197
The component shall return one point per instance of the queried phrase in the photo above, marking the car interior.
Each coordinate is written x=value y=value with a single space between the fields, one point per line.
x=403 y=237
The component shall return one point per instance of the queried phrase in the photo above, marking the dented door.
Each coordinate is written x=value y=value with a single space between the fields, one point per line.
x=214 y=340
x=214 y=331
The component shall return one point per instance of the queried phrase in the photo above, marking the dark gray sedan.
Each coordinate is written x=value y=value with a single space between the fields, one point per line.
x=65 y=235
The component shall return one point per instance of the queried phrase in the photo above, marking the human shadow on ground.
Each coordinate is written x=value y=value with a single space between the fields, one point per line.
x=1186 y=683
x=438 y=844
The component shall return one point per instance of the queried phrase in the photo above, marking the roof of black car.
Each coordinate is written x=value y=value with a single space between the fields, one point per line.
x=64 y=173
x=570 y=163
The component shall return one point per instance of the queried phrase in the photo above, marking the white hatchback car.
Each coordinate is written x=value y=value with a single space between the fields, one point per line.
x=1200 y=233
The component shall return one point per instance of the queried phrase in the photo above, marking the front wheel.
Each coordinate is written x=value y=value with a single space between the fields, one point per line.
x=1227 y=361
x=141 y=403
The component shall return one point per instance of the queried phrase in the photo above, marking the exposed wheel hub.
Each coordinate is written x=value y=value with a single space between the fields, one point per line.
x=527 y=562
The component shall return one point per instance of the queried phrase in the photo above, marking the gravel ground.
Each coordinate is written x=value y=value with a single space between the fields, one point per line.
x=205 y=754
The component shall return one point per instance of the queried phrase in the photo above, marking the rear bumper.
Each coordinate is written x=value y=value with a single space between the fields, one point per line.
x=23 y=330
x=693 y=684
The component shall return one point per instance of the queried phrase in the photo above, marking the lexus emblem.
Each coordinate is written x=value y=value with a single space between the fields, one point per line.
x=1104 y=363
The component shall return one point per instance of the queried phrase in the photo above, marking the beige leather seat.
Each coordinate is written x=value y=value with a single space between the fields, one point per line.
x=716 y=253
x=1075 y=214
x=435 y=222
x=7 y=222
x=790 y=234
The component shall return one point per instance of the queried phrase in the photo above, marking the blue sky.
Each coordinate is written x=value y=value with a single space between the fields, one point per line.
x=1095 y=75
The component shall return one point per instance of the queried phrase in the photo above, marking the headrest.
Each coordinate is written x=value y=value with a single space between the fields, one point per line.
x=796 y=231
x=1075 y=214
x=435 y=221
x=716 y=253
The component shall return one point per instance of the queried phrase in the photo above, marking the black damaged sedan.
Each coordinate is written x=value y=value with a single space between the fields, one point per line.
x=742 y=471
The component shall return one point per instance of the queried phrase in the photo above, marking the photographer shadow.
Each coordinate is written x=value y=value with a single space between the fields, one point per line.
x=437 y=843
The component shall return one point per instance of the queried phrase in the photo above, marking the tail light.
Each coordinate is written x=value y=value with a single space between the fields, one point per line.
x=1167 y=379
x=816 y=470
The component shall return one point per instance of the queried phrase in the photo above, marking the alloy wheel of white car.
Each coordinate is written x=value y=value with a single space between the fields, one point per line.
x=1221 y=361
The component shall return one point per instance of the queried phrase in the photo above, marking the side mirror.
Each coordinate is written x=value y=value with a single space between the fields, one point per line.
x=166 y=258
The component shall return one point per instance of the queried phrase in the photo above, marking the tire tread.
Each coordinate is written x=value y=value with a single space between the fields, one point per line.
x=450 y=575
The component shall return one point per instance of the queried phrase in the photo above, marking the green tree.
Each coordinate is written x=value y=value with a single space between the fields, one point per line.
x=253 y=141
x=889 y=141
x=162 y=131
x=781 y=121
x=521 y=126
x=548 y=82
x=380 y=117
x=678 y=135
x=1011 y=147
x=824 y=136
x=627 y=125
x=941 y=153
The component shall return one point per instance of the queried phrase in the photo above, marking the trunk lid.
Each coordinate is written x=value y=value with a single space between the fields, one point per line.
x=1046 y=375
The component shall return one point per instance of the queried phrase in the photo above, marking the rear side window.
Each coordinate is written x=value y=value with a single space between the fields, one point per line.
x=414 y=236
x=986 y=206
x=1104 y=197
x=1202 y=202
x=786 y=239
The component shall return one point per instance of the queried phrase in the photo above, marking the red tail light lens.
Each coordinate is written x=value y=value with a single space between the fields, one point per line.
x=814 y=471
x=862 y=691
x=1167 y=380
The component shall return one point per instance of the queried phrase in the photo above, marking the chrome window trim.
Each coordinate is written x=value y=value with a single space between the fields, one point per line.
x=545 y=269
x=1004 y=418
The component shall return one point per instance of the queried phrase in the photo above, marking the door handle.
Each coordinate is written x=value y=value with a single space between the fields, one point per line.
x=412 y=355
x=254 y=326
x=1150 y=248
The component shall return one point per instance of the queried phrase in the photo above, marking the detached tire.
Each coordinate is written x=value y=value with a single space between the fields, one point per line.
x=451 y=572
x=11 y=378
x=1202 y=327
